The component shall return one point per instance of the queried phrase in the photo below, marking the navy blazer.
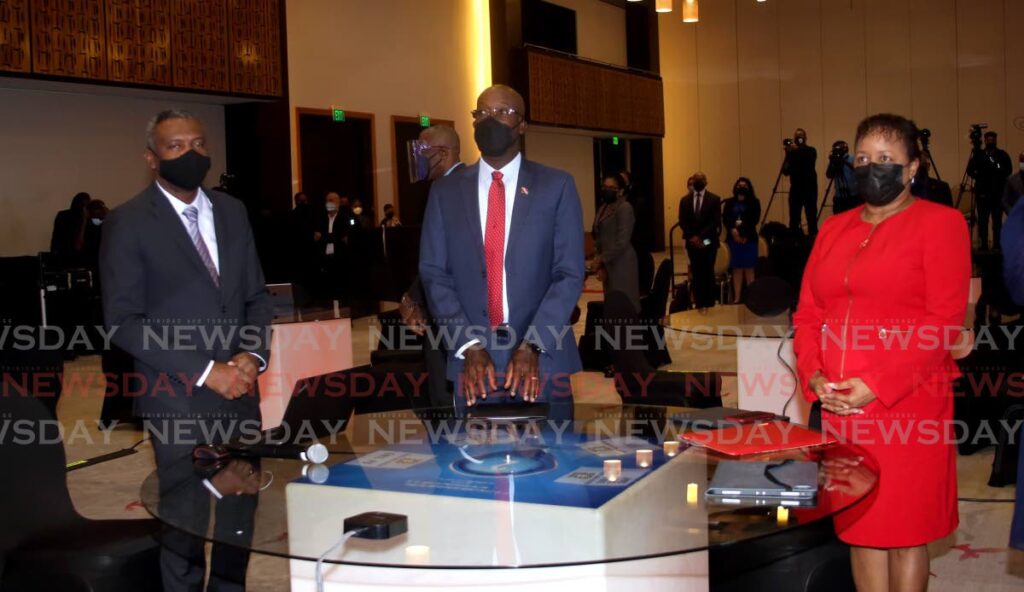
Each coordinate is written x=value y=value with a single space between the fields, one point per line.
x=154 y=283
x=544 y=265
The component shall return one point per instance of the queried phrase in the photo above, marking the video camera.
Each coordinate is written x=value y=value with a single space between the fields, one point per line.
x=787 y=142
x=839 y=151
x=976 y=133
x=926 y=136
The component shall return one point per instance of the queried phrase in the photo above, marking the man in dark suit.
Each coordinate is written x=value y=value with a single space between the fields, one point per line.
x=333 y=230
x=68 y=231
x=184 y=295
x=700 y=217
x=803 y=182
x=501 y=258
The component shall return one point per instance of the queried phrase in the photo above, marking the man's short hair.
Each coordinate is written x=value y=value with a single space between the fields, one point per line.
x=991 y=134
x=162 y=117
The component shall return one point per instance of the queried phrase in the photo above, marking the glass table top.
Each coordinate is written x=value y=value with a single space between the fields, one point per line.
x=728 y=320
x=600 y=484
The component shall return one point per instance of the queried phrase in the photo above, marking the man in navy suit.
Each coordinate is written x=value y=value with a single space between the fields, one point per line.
x=501 y=258
x=184 y=294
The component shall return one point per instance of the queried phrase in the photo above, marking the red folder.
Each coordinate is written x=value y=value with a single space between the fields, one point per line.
x=758 y=438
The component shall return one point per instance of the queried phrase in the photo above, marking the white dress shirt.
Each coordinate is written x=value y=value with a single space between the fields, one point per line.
x=208 y=231
x=698 y=201
x=331 y=217
x=510 y=179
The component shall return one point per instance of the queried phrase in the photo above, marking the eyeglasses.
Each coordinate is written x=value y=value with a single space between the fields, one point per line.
x=500 y=113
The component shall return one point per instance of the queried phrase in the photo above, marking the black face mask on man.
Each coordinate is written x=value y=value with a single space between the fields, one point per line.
x=699 y=185
x=187 y=171
x=493 y=137
x=879 y=184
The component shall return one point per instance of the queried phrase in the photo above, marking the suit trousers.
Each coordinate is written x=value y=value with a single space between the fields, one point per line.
x=185 y=502
x=803 y=199
x=989 y=207
x=702 y=284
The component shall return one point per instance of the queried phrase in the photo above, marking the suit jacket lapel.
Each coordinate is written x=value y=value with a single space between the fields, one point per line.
x=468 y=183
x=170 y=222
x=520 y=209
x=222 y=238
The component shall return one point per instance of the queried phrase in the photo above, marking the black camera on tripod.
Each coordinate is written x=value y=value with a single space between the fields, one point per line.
x=976 y=133
x=839 y=151
x=926 y=136
x=787 y=142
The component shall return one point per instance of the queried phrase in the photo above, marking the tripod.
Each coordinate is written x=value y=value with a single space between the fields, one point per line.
x=931 y=161
x=967 y=184
x=775 y=188
x=839 y=181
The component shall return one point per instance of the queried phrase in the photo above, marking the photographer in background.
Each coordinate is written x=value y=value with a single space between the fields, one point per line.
x=803 y=181
x=840 y=171
x=989 y=168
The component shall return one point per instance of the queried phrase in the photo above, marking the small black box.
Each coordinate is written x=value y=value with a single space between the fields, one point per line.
x=377 y=525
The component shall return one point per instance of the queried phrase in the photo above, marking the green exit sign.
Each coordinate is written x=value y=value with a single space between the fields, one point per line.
x=424 y=121
x=615 y=140
x=338 y=114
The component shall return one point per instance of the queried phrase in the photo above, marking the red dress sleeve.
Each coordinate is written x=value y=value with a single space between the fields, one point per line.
x=809 y=318
x=947 y=273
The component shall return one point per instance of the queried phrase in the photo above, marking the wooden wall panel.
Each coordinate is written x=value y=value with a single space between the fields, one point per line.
x=254 y=50
x=199 y=31
x=139 y=41
x=576 y=94
x=933 y=66
x=14 y=36
x=888 y=62
x=68 y=38
x=717 y=87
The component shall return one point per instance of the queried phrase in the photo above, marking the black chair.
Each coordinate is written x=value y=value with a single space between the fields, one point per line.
x=652 y=311
x=44 y=543
x=645 y=271
x=636 y=379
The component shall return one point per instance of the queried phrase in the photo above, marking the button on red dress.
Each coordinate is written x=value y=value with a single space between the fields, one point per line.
x=884 y=303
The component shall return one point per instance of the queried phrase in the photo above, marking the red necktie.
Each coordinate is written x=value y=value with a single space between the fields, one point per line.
x=494 y=249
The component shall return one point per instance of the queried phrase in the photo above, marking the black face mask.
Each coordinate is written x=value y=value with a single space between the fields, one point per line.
x=187 y=171
x=389 y=215
x=800 y=141
x=879 y=184
x=742 y=191
x=493 y=137
x=609 y=195
x=699 y=185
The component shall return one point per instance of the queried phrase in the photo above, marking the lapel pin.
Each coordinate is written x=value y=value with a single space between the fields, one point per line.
x=524 y=191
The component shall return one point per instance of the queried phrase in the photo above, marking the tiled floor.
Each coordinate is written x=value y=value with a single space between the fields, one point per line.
x=975 y=557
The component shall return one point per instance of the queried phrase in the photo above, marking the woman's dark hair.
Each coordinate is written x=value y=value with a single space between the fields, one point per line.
x=753 y=194
x=892 y=127
x=619 y=183
x=79 y=201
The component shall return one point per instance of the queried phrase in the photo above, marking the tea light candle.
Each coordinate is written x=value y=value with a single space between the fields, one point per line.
x=612 y=469
x=417 y=555
x=671 y=448
x=644 y=458
x=692 y=490
x=782 y=516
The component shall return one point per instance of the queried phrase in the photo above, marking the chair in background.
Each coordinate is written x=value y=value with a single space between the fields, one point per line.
x=44 y=543
x=652 y=312
x=638 y=381
x=645 y=271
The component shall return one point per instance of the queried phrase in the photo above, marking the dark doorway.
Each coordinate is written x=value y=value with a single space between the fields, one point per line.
x=336 y=156
x=410 y=198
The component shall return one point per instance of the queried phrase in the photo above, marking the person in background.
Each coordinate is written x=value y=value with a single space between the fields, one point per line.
x=881 y=281
x=363 y=254
x=1014 y=186
x=331 y=241
x=700 y=217
x=68 y=234
x=614 y=259
x=363 y=218
x=803 y=182
x=740 y=215
x=443 y=152
x=390 y=220
x=990 y=168
x=840 y=171
x=96 y=213
x=301 y=244
x=934 y=190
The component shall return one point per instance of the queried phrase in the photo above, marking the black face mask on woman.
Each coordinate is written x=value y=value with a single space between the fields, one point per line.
x=879 y=184
x=187 y=171
x=609 y=195
x=493 y=137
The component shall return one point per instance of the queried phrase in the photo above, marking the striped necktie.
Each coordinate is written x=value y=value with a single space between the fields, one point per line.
x=192 y=215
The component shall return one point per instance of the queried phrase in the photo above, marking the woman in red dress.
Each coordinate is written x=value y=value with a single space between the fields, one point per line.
x=883 y=300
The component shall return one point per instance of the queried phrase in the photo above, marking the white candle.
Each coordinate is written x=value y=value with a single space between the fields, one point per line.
x=644 y=458
x=692 y=491
x=612 y=469
x=782 y=516
x=671 y=448
x=417 y=555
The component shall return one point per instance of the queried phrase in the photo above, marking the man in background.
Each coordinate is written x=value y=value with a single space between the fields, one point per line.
x=331 y=241
x=69 y=231
x=990 y=168
x=700 y=218
x=390 y=220
x=1014 y=186
x=443 y=150
x=803 y=182
x=179 y=251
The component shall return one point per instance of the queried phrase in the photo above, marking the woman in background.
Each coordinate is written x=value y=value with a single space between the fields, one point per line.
x=740 y=215
x=615 y=259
